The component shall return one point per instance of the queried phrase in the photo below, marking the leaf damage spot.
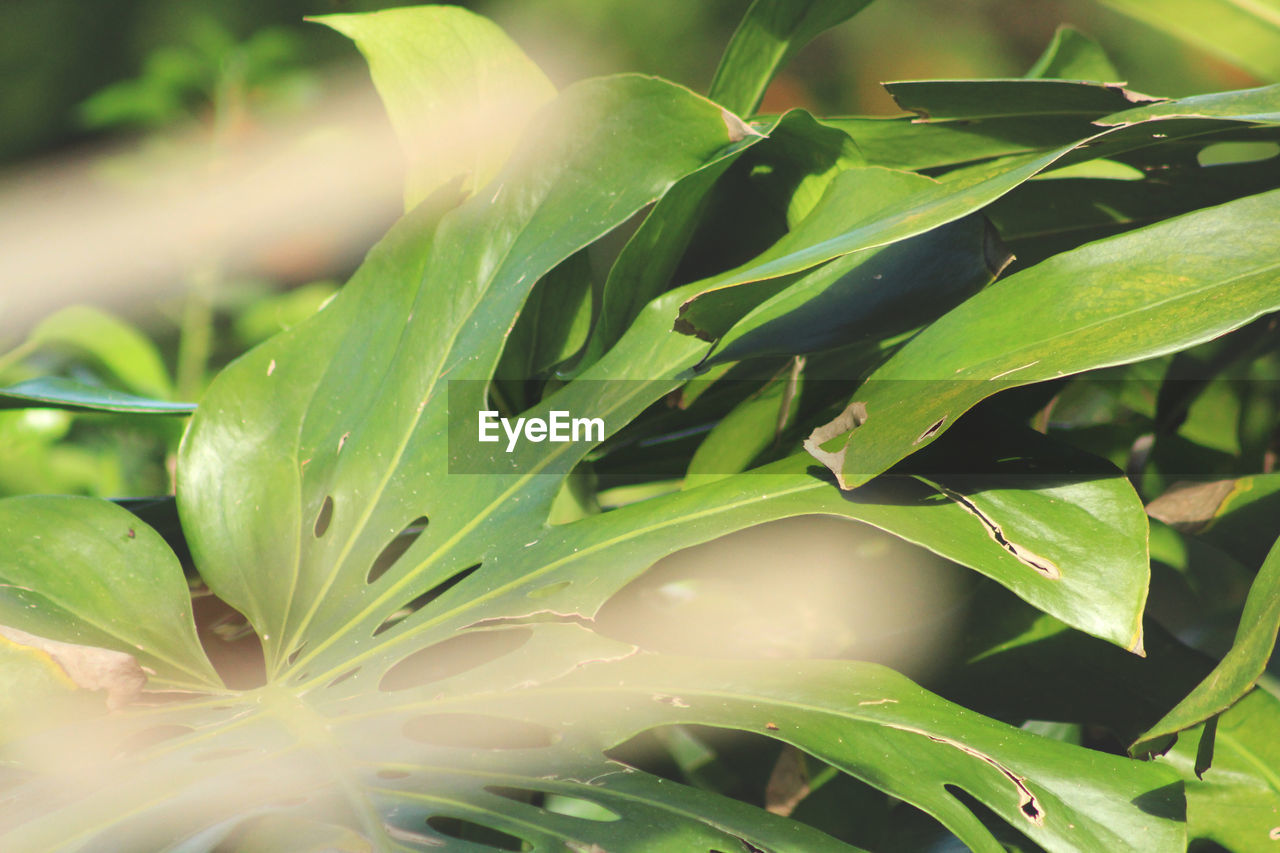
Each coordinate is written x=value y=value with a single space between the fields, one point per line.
x=1192 y=507
x=1132 y=96
x=879 y=702
x=1023 y=555
x=342 y=440
x=271 y=368
x=853 y=417
x=583 y=847
x=773 y=727
x=1013 y=370
x=738 y=129
x=324 y=517
x=88 y=667
x=931 y=431
x=536 y=617
x=1028 y=805
x=673 y=701
x=995 y=253
x=684 y=326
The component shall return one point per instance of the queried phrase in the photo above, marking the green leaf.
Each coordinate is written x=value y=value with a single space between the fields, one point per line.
x=797 y=158
x=1040 y=218
x=903 y=143
x=442 y=66
x=748 y=429
x=1072 y=55
x=1240 y=668
x=1236 y=801
x=976 y=99
x=109 y=345
x=84 y=571
x=554 y=322
x=878 y=726
x=273 y=313
x=1184 y=281
x=862 y=208
x=868 y=207
x=771 y=32
x=866 y=296
x=1243 y=32
x=1256 y=105
x=54 y=392
x=607 y=148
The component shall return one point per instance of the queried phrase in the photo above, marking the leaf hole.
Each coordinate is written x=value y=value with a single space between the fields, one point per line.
x=931 y=431
x=293 y=655
x=396 y=547
x=426 y=598
x=451 y=657
x=557 y=803
x=465 y=830
x=346 y=675
x=988 y=816
x=477 y=731
x=1234 y=153
x=324 y=517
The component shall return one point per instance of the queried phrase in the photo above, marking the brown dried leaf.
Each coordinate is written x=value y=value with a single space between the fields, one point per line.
x=91 y=668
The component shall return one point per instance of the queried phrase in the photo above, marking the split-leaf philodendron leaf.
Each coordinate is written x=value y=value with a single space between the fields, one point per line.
x=436 y=674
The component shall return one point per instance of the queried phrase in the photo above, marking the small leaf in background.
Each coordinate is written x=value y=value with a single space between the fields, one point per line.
x=444 y=67
x=58 y=393
x=277 y=312
x=770 y=33
x=1072 y=55
x=107 y=344
x=748 y=429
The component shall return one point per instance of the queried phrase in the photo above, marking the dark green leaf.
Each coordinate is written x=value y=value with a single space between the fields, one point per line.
x=1184 y=281
x=975 y=99
x=57 y=393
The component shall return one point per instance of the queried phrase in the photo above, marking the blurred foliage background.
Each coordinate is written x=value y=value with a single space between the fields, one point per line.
x=56 y=53
x=112 y=94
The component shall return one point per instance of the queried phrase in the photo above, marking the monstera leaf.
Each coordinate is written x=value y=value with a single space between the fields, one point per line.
x=435 y=674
